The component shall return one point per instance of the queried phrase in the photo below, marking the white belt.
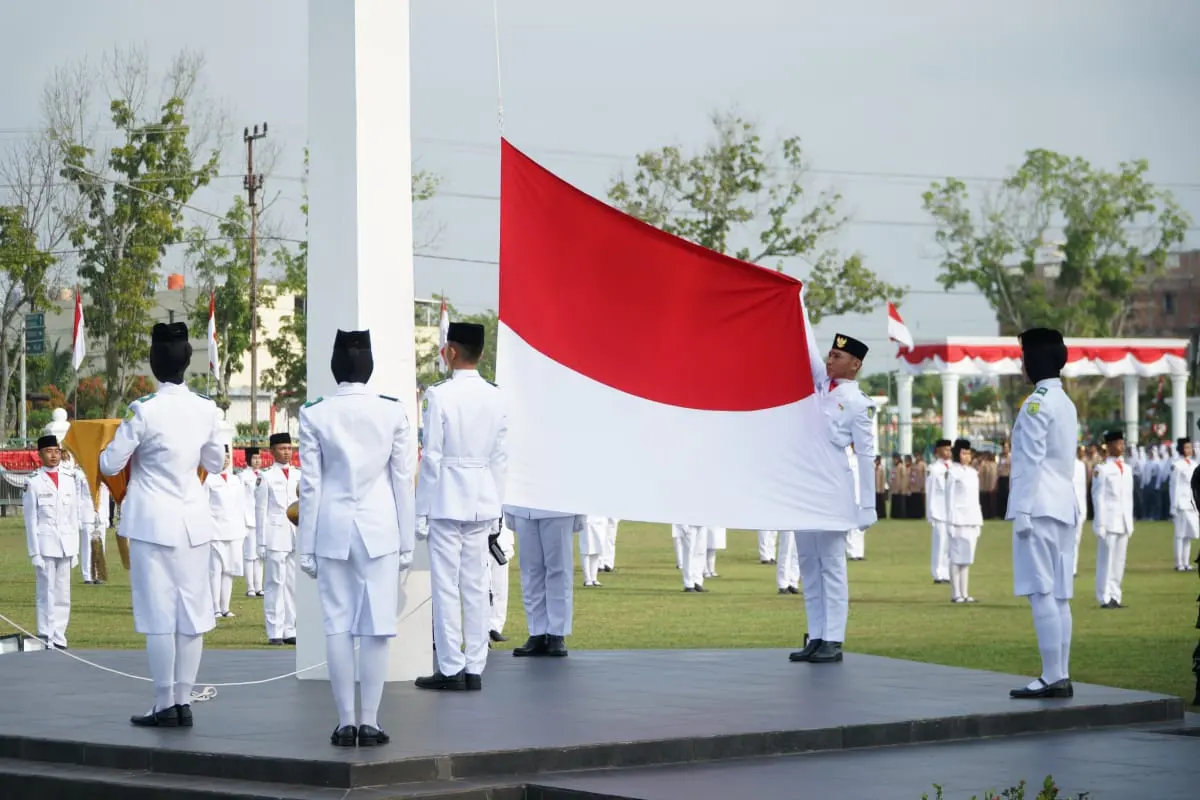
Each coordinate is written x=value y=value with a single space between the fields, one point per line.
x=465 y=463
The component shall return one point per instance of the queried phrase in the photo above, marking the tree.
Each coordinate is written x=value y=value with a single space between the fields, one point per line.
x=134 y=212
x=427 y=359
x=712 y=196
x=23 y=270
x=1117 y=230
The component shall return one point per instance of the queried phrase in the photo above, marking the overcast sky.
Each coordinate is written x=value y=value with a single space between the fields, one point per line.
x=922 y=88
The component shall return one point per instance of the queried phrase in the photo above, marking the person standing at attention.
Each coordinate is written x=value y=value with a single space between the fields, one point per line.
x=278 y=487
x=546 y=539
x=227 y=500
x=51 y=508
x=1183 y=506
x=252 y=565
x=1041 y=507
x=964 y=519
x=460 y=492
x=935 y=489
x=1112 y=500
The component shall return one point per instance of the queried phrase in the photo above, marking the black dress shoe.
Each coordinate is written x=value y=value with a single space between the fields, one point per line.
x=810 y=646
x=1058 y=689
x=793 y=590
x=534 y=646
x=783 y=591
x=445 y=683
x=278 y=642
x=167 y=718
x=827 y=653
x=369 y=736
x=289 y=640
x=497 y=636
x=689 y=588
x=345 y=736
x=474 y=682
x=185 y=715
x=556 y=646
x=699 y=588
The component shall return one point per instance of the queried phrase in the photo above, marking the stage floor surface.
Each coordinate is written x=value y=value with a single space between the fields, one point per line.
x=610 y=712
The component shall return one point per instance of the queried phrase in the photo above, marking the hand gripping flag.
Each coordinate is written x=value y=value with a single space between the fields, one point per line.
x=652 y=379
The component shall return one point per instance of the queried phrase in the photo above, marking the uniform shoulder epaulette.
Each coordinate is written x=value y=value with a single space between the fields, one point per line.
x=201 y=395
x=312 y=403
x=439 y=383
x=389 y=397
x=146 y=397
x=490 y=383
x=1040 y=390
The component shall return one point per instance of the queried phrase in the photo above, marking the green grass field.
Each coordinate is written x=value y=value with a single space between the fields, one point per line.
x=895 y=610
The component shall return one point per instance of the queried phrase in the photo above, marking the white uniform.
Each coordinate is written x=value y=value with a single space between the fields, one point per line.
x=94 y=523
x=227 y=499
x=252 y=566
x=592 y=537
x=608 y=554
x=1112 y=499
x=715 y=539
x=677 y=543
x=1183 y=511
x=52 y=522
x=547 y=566
x=498 y=578
x=1081 y=492
x=767 y=542
x=278 y=487
x=856 y=538
x=460 y=490
x=935 y=511
x=693 y=544
x=964 y=522
x=787 y=564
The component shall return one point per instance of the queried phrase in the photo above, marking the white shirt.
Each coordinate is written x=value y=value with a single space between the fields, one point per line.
x=1112 y=497
x=464 y=461
x=278 y=487
x=359 y=456
x=1181 y=485
x=1081 y=489
x=962 y=496
x=52 y=519
x=937 y=491
x=249 y=479
x=171 y=432
x=227 y=500
x=1044 y=435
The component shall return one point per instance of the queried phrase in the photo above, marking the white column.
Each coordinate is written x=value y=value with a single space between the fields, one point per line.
x=1179 y=406
x=1131 y=410
x=881 y=403
x=360 y=271
x=904 y=387
x=949 y=406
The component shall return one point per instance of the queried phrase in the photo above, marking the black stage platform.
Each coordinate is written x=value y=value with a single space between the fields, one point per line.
x=64 y=729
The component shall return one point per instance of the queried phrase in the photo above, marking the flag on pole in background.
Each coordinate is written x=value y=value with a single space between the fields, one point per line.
x=443 y=333
x=78 y=336
x=214 y=361
x=897 y=331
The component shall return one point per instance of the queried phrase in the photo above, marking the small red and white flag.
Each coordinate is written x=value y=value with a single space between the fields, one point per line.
x=443 y=335
x=214 y=361
x=78 y=336
x=897 y=330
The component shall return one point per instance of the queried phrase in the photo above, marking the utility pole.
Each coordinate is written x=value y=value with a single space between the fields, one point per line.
x=252 y=184
x=24 y=389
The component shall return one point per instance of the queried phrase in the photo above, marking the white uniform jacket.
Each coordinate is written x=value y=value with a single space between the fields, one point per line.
x=52 y=515
x=1044 y=437
x=1182 y=501
x=962 y=497
x=1112 y=497
x=1081 y=488
x=359 y=456
x=249 y=479
x=464 y=460
x=171 y=432
x=276 y=491
x=937 y=491
x=227 y=500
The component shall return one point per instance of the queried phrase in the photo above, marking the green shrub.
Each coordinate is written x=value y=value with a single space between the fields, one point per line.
x=1049 y=792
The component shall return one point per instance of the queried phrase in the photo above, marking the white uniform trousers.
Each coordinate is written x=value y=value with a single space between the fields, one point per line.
x=694 y=542
x=460 y=600
x=498 y=576
x=279 y=594
x=677 y=543
x=85 y=552
x=546 y=570
x=360 y=595
x=171 y=589
x=252 y=565
x=826 y=586
x=1078 y=541
x=608 y=553
x=939 y=551
x=1110 y=566
x=1187 y=528
x=856 y=543
x=787 y=563
x=766 y=545
x=1044 y=560
x=53 y=586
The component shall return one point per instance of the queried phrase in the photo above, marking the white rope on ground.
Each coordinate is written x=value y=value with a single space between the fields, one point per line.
x=208 y=691
x=499 y=90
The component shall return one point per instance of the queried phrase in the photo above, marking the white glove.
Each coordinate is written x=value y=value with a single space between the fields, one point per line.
x=422 y=528
x=866 y=517
x=579 y=523
x=1023 y=525
x=38 y=563
x=308 y=564
x=406 y=560
x=496 y=527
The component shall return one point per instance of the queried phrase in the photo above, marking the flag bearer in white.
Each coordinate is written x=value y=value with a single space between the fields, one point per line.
x=1041 y=506
x=964 y=518
x=767 y=542
x=165 y=516
x=546 y=571
x=51 y=509
x=356 y=531
x=1183 y=505
x=935 y=511
x=252 y=566
x=1081 y=502
x=460 y=489
x=227 y=499
x=714 y=541
x=591 y=548
x=278 y=487
x=498 y=583
x=608 y=555
x=848 y=412
x=1112 y=499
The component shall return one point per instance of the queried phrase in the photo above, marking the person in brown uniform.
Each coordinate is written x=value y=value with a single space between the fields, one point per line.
x=1003 y=468
x=987 y=485
x=916 y=488
x=880 y=488
x=899 y=484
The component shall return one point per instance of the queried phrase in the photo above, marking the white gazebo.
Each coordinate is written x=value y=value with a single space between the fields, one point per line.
x=988 y=356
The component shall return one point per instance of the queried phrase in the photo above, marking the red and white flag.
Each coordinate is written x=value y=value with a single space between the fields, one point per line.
x=897 y=330
x=78 y=335
x=648 y=378
x=443 y=334
x=214 y=361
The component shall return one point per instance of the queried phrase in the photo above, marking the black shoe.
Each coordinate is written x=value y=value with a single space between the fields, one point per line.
x=534 y=646
x=185 y=715
x=167 y=718
x=278 y=642
x=783 y=591
x=793 y=590
x=699 y=588
x=438 y=681
x=345 y=736
x=371 y=737
x=289 y=640
x=556 y=646
x=474 y=682
x=606 y=569
x=497 y=636
x=689 y=588
x=827 y=653
x=810 y=646
x=1058 y=689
